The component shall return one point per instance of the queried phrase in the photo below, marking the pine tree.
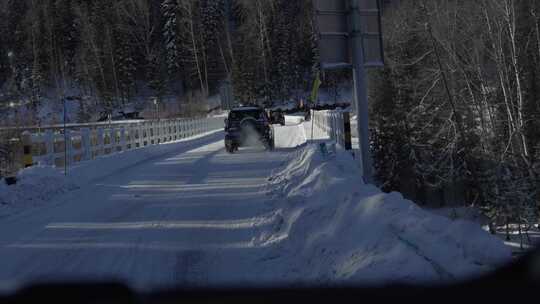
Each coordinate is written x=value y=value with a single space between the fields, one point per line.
x=169 y=10
x=126 y=68
x=16 y=38
x=212 y=14
x=156 y=76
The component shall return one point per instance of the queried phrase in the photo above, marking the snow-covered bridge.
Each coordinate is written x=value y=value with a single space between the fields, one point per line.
x=188 y=213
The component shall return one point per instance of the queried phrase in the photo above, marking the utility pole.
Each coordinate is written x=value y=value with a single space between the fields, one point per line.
x=350 y=37
x=231 y=27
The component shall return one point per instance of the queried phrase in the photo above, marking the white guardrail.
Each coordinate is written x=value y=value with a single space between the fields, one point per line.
x=331 y=124
x=84 y=142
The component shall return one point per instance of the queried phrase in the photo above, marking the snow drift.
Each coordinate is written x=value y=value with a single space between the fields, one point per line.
x=35 y=187
x=334 y=229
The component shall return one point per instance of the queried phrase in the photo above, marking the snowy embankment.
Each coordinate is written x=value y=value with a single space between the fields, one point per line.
x=335 y=229
x=39 y=185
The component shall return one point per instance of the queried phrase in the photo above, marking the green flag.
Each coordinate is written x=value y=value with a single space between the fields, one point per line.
x=316 y=85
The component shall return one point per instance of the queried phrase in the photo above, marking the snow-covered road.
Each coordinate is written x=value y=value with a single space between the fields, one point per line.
x=189 y=214
x=186 y=218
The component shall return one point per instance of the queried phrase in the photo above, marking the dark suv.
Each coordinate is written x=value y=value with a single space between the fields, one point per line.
x=248 y=126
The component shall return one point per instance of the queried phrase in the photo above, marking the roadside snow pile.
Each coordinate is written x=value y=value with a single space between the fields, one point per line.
x=336 y=230
x=35 y=186
x=289 y=136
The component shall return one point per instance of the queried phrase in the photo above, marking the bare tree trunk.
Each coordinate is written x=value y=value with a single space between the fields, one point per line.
x=497 y=46
x=195 y=50
x=510 y=18
x=223 y=58
x=52 y=52
x=35 y=54
x=113 y=61
x=262 y=37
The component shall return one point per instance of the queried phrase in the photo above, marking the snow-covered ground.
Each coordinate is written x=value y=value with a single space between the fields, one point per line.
x=334 y=229
x=520 y=244
x=190 y=214
x=36 y=186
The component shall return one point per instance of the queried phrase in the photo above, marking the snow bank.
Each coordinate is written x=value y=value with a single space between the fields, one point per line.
x=36 y=186
x=335 y=229
x=290 y=136
x=39 y=185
